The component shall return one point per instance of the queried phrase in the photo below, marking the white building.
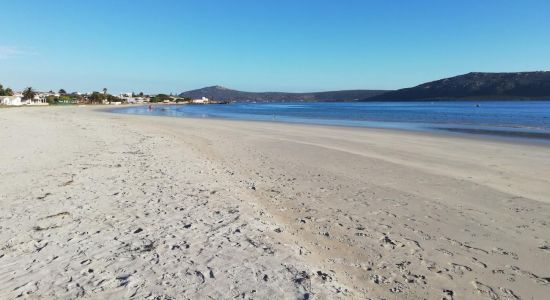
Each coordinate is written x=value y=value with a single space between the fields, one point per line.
x=125 y=95
x=18 y=101
x=203 y=100
x=37 y=100
x=11 y=100
x=135 y=100
x=130 y=98
x=47 y=94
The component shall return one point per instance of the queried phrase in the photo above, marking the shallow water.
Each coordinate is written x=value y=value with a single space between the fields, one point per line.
x=513 y=119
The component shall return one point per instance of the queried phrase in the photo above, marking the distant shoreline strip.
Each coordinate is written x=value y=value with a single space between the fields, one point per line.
x=502 y=133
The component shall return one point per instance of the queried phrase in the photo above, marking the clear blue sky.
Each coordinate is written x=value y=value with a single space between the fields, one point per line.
x=259 y=45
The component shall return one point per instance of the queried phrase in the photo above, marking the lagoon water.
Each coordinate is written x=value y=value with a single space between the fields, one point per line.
x=518 y=119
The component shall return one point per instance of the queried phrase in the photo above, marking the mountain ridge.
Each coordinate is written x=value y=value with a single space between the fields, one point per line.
x=470 y=86
x=476 y=86
x=221 y=93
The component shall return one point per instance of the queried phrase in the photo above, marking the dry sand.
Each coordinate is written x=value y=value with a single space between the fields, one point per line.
x=100 y=205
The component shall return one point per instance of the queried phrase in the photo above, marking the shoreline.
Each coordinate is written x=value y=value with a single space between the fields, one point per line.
x=505 y=136
x=219 y=208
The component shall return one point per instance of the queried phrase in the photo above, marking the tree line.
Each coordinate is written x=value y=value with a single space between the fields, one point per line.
x=93 y=98
x=5 y=92
x=28 y=93
x=164 y=97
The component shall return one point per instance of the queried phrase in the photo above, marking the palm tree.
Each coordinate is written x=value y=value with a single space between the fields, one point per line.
x=104 y=91
x=28 y=93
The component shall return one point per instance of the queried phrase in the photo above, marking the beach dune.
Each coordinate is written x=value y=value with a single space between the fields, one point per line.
x=102 y=205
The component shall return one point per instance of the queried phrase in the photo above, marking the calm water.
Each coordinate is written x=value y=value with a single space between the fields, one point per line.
x=526 y=120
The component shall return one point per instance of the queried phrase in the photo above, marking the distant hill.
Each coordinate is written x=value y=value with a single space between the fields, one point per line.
x=220 y=93
x=478 y=86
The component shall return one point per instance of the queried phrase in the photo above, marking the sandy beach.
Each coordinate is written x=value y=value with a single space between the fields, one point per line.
x=108 y=206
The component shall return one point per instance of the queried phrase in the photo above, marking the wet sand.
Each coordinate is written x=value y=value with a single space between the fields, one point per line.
x=101 y=205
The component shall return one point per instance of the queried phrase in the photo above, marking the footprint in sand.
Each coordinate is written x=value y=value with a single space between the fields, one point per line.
x=52 y=221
